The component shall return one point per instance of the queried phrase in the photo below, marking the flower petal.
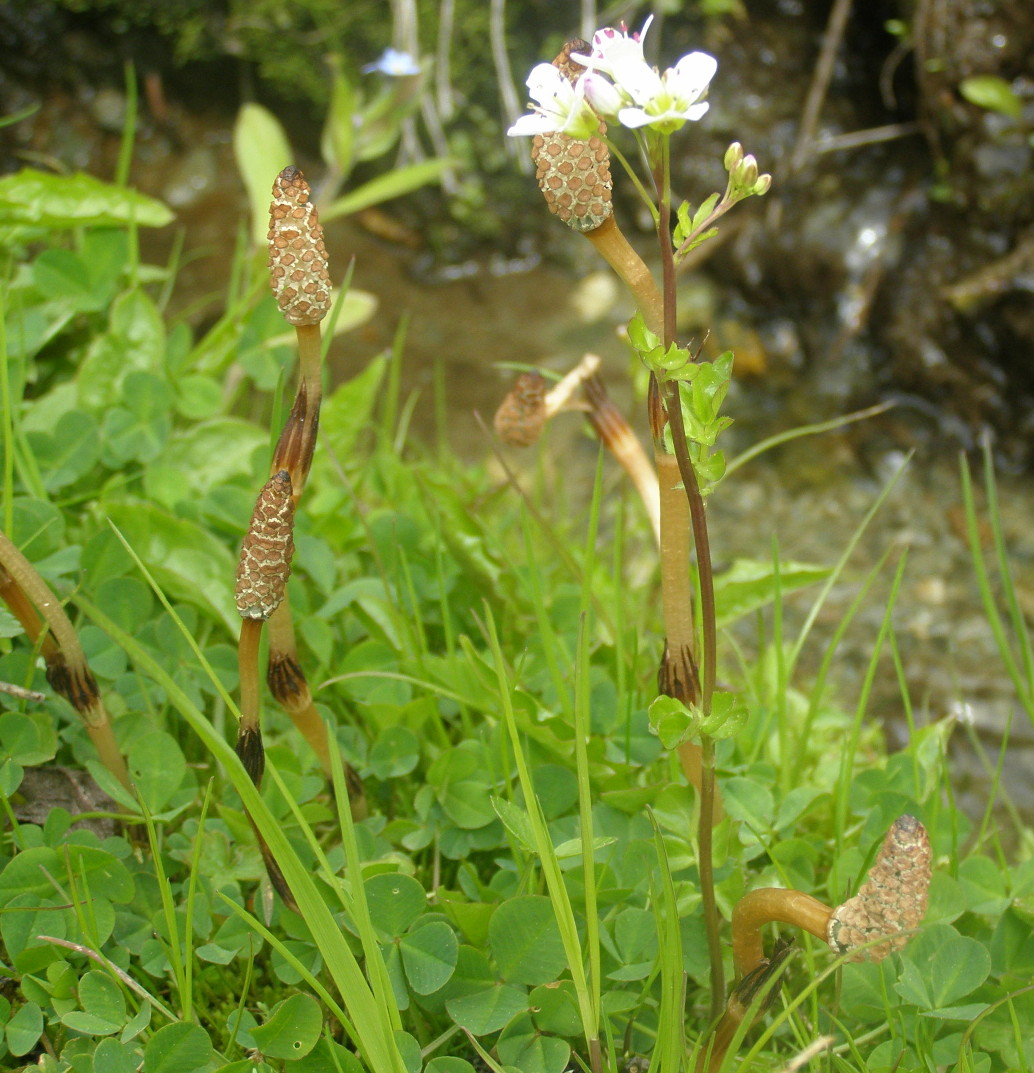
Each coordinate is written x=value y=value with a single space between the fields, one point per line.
x=691 y=75
x=531 y=124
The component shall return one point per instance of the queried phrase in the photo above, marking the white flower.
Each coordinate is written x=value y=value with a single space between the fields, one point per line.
x=637 y=95
x=614 y=50
x=394 y=63
x=558 y=106
x=677 y=98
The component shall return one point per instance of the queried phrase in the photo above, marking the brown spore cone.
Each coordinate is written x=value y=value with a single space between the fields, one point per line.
x=265 y=561
x=893 y=898
x=298 y=272
x=574 y=174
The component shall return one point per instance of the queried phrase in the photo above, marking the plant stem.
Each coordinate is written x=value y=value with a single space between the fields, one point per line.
x=290 y=689
x=768 y=905
x=31 y=601
x=615 y=249
x=709 y=634
x=615 y=433
x=249 y=735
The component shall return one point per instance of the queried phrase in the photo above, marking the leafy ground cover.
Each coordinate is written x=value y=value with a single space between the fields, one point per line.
x=525 y=888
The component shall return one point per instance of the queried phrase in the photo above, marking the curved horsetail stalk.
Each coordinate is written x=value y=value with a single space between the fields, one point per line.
x=878 y=920
x=44 y=620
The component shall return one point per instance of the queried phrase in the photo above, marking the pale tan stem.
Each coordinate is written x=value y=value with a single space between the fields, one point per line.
x=249 y=745
x=675 y=545
x=768 y=905
x=24 y=574
x=616 y=250
x=310 y=360
x=561 y=395
x=617 y=435
x=247 y=665
x=289 y=686
x=679 y=677
x=290 y=689
x=34 y=605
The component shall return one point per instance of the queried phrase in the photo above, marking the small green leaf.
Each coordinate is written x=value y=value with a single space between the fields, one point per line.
x=198 y=396
x=983 y=884
x=522 y=1045
x=384 y=187
x=749 y=801
x=488 y=1010
x=749 y=584
x=516 y=821
x=111 y=1056
x=525 y=940
x=292 y=1030
x=62 y=274
x=346 y=413
x=100 y=995
x=941 y=967
x=178 y=1048
x=429 y=956
x=446 y=1064
x=672 y=721
x=24 y=1029
x=992 y=93
x=137 y=430
x=555 y=1009
x=69 y=453
x=157 y=766
x=395 y=752
x=327 y=1056
x=29 y=738
x=89 y=1024
x=396 y=902
x=61 y=201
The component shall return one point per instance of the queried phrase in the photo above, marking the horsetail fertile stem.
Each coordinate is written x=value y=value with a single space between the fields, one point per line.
x=300 y=281
x=262 y=572
x=295 y=246
x=890 y=903
x=523 y=414
x=33 y=604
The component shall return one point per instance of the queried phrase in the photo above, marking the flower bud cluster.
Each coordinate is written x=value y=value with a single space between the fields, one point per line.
x=744 y=180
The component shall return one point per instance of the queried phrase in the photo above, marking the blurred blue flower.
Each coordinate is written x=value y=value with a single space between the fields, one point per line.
x=394 y=63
